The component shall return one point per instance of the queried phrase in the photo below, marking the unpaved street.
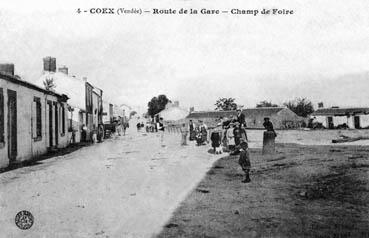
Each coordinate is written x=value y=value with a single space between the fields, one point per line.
x=124 y=187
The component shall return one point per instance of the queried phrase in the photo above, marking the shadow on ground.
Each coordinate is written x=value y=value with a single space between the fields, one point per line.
x=37 y=160
x=302 y=191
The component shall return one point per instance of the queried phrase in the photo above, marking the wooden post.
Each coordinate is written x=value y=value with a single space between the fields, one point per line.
x=268 y=143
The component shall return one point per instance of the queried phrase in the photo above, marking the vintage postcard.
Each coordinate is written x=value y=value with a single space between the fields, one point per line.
x=184 y=118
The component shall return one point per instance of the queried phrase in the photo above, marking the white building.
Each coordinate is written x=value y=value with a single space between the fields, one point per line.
x=86 y=106
x=334 y=117
x=32 y=120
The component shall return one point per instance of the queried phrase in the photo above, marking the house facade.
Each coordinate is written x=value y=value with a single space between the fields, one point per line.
x=85 y=104
x=282 y=118
x=354 y=118
x=32 y=120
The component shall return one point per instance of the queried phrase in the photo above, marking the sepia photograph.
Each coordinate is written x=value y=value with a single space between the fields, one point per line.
x=184 y=118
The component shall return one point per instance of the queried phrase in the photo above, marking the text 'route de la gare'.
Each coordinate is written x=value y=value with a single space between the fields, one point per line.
x=184 y=11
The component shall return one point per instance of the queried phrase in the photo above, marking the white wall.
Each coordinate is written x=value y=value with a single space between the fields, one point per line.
x=364 y=121
x=322 y=119
x=27 y=145
x=339 y=120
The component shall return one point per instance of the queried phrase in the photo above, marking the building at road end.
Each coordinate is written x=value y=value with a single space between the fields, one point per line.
x=32 y=119
x=335 y=117
x=281 y=117
x=85 y=104
x=173 y=114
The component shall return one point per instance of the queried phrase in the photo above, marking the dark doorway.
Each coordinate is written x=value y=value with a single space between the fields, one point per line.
x=56 y=123
x=50 y=107
x=357 y=122
x=12 y=125
x=330 y=123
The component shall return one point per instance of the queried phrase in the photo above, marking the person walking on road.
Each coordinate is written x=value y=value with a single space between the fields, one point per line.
x=184 y=132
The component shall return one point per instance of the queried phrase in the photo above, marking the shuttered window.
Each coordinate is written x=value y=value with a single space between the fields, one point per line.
x=63 y=119
x=2 y=137
x=37 y=118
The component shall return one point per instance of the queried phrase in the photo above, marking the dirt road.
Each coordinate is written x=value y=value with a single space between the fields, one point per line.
x=124 y=187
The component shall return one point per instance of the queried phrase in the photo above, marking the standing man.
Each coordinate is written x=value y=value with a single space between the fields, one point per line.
x=192 y=131
x=160 y=126
x=241 y=118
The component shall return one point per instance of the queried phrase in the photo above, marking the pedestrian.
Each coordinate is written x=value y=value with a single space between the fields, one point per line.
x=160 y=126
x=216 y=138
x=230 y=138
x=138 y=126
x=119 y=126
x=84 y=133
x=268 y=125
x=192 y=126
x=124 y=128
x=198 y=136
x=184 y=132
x=244 y=160
x=204 y=132
x=241 y=118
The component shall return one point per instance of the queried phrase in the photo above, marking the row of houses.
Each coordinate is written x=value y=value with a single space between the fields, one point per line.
x=55 y=111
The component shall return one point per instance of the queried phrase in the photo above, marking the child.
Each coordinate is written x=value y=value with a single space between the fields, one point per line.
x=244 y=160
x=215 y=137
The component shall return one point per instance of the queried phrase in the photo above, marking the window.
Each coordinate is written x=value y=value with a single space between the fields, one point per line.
x=2 y=137
x=37 y=125
x=63 y=118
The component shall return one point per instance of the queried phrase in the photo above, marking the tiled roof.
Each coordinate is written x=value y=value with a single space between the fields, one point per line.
x=340 y=111
x=249 y=112
x=18 y=80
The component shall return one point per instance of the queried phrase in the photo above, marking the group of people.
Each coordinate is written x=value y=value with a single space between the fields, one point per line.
x=229 y=136
x=121 y=126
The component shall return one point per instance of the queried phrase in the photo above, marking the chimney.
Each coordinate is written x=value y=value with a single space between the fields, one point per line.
x=192 y=109
x=320 y=105
x=50 y=64
x=7 y=68
x=63 y=70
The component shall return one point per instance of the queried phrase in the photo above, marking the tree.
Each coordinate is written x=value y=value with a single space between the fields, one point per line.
x=132 y=113
x=301 y=106
x=157 y=104
x=225 y=104
x=266 y=104
x=49 y=84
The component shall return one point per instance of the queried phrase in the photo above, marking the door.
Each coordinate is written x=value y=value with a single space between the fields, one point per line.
x=56 y=124
x=357 y=122
x=330 y=123
x=50 y=107
x=12 y=125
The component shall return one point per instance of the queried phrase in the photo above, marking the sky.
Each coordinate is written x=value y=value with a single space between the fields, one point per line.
x=321 y=52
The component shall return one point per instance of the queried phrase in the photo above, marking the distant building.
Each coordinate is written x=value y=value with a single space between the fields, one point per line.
x=32 y=119
x=339 y=117
x=86 y=105
x=173 y=113
x=282 y=118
